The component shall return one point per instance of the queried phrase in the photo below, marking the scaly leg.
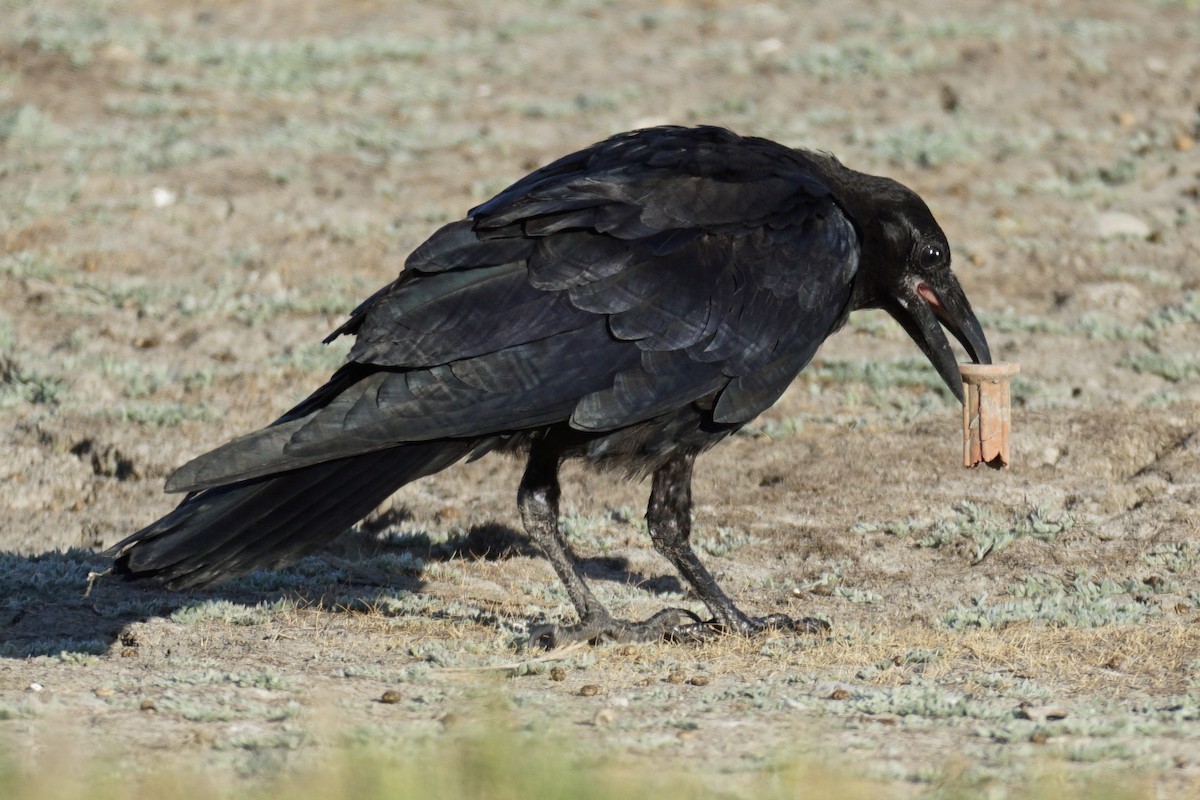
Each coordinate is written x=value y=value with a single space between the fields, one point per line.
x=669 y=517
x=538 y=500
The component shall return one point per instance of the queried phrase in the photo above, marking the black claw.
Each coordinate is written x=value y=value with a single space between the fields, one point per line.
x=659 y=627
x=665 y=626
x=748 y=626
x=782 y=622
x=544 y=637
x=812 y=625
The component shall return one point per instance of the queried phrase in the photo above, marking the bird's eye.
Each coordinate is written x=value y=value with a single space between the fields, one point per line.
x=930 y=256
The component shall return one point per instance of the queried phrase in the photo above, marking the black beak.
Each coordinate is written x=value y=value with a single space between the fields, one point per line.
x=920 y=316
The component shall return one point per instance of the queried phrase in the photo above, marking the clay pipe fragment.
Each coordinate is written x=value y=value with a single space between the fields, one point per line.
x=987 y=415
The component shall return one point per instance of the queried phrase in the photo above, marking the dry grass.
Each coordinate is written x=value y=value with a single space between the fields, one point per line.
x=308 y=151
x=1157 y=657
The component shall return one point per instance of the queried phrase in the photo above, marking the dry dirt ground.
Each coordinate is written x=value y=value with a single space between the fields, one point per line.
x=190 y=199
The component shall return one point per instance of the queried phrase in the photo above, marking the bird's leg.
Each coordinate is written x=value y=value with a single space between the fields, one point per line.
x=538 y=501
x=669 y=517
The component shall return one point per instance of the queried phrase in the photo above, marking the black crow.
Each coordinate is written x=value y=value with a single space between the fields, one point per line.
x=631 y=304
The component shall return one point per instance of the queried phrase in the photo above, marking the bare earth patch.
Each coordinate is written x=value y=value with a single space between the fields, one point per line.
x=192 y=198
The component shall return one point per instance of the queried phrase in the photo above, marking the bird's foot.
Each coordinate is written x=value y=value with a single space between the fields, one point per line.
x=603 y=628
x=743 y=625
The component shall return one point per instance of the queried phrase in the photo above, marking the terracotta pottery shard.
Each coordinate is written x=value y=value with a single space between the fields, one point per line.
x=987 y=417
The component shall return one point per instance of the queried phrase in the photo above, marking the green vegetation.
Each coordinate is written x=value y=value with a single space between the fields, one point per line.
x=229 y=612
x=986 y=530
x=20 y=385
x=1081 y=600
x=193 y=198
x=486 y=764
x=1174 y=368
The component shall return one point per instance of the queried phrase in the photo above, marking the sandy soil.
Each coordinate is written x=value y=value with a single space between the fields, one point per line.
x=191 y=199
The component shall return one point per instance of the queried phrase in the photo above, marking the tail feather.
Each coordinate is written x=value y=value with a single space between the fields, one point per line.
x=323 y=507
x=271 y=521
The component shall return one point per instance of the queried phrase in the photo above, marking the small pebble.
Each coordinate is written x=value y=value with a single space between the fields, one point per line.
x=447 y=514
x=162 y=197
x=118 y=53
x=768 y=46
x=590 y=690
x=1042 y=713
x=390 y=696
x=1050 y=456
x=1113 y=224
x=202 y=737
x=605 y=716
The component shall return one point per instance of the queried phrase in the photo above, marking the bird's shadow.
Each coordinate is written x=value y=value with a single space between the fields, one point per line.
x=62 y=602
x=496 y=542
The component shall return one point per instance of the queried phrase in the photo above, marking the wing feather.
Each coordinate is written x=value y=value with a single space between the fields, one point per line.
x=729 y=254
x=659 y=270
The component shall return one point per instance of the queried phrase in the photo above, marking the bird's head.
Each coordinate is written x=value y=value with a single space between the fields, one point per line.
x=905 y=270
